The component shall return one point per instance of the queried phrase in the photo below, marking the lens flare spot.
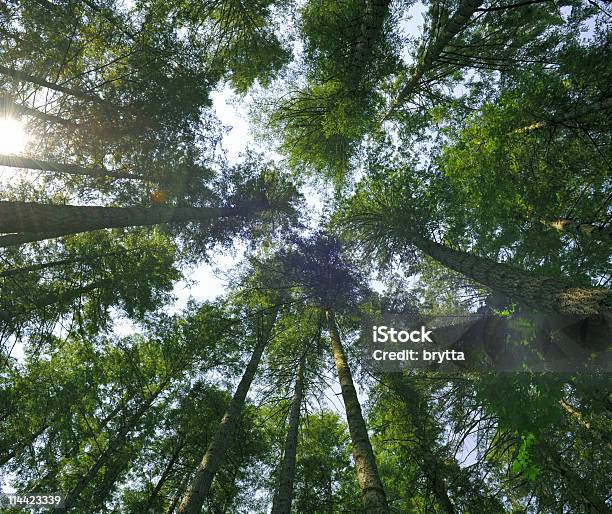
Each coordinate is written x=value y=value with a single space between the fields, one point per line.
x=13 y=137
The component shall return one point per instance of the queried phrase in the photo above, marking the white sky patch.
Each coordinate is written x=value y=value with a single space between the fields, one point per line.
x=231 y=112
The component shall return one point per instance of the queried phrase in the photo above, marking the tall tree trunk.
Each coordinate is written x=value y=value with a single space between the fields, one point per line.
x=372 y=491
x=198 y=489
x=550 y=295
x=26 y=77
x=370 y=29
x=16 y=161
x=458 y=21
x=284 y=494
x=30 y=219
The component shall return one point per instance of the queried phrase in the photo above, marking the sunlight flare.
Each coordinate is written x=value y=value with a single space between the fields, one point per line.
x=13 y=137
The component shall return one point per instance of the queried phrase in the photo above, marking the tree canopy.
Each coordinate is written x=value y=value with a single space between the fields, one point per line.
x=191 y=321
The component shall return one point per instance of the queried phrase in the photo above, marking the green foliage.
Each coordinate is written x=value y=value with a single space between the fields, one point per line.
x=496 y=151
x=523 y=463
x=324 y=477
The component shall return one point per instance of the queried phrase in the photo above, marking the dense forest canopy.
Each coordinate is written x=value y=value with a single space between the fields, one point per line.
x=444 y=166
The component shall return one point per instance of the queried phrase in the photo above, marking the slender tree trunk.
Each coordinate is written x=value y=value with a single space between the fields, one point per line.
x=595 y=108
x=11 y=106
x=162 y=480
x=432 y=466
x=115 y=444
x=550 y=295
x=372 y=492
x=575 y=228
x=284 y=494
x=16 y=161
x=26 y=77
x=198 y=489
x=11 y=272
x=4 y=458
x=458 y=21
x=29 y=219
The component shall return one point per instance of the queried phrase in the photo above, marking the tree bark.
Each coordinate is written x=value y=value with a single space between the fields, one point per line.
x=15 y=161
x=284 y=494
x=27 y=219
x=545 y=294
x=26 y=77
x=35 y=113
x=372 y=491
x=370 y=29
x=458 y=21
x=198 y=489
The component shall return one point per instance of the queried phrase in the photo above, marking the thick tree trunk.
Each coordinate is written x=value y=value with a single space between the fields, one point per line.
x=370 y=30
x=15 y=161
x=284 y=494
x=549 y=295
x=458 y=21
x=26 y=77
x=372 y=491
x=198 y=489
x=29 y=219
